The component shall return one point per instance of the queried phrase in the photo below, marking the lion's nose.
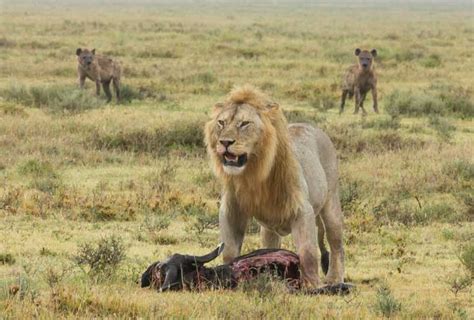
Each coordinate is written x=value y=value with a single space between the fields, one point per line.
x=226 y=143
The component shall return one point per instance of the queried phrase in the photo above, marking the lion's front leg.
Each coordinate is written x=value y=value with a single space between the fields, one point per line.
x=332 y=217
x=270 y=239
x=232 y=225
x=304 y=234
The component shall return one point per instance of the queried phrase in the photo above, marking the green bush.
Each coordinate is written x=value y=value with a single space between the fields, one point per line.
x=467 y=258
x=442 y=127
x=41 y=174
x=459 y=169
x=407 y=55
x=128 y=94
x=432 y=61
x=159 y=140
x=408 y=103
x=324 y=101
x=382 y=123
x=101 y=258
x=204 y=77
x=54 y=98
x=295 y=116
x=386 y=304
x=439 y=99
x=7 y=258
x=349 y=193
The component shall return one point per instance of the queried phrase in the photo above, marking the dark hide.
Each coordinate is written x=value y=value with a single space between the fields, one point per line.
x=188 y=272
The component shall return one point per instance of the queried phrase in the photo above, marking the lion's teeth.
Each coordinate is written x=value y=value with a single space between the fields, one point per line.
x=230 y=158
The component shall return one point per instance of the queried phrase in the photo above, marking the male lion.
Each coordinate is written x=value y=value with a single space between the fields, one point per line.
x=284 y=176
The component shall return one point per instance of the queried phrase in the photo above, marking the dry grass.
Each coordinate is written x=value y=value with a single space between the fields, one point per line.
x=74 y=170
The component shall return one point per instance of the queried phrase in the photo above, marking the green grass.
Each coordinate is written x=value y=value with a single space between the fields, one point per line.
x=78 y=174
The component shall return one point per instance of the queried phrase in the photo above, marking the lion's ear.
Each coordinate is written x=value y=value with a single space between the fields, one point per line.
x=218 y=106
x=272 y=106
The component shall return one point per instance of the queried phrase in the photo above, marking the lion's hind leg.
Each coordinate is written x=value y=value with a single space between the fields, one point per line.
x=331 y=215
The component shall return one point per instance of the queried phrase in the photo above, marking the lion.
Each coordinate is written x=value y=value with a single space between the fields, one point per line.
x=100 y=69
x=285 y=176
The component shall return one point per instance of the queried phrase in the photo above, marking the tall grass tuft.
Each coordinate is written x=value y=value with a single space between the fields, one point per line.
x=439 y=99
x=386 y=304
x=54 y=98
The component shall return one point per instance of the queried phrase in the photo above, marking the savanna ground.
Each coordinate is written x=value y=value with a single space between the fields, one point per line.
x=133 y=178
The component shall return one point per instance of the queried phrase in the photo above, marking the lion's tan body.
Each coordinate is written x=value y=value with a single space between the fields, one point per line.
x=100 y=69
x=289 y=180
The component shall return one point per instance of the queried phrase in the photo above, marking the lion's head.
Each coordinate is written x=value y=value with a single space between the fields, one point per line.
x=244 y=134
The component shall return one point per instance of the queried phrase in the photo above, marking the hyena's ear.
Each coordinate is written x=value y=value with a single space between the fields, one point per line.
x=373 y=52
x=357 y=51
x=78 y=51
x=93 y=51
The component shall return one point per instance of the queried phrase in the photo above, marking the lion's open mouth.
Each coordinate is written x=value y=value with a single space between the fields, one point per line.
x=230 y=159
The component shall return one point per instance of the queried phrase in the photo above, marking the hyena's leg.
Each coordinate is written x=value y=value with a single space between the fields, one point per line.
x=362 y=99
x=116 y=83
x=270 y=239
x=343 y=100
x=332 y=218
x=97 y=87
x=106 y=86
x=82 y=80
x=357 y=100
x=322 y=245
x=304 y=232
x=374 y=98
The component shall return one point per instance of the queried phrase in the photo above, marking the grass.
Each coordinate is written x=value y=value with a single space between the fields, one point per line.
x=84 y=183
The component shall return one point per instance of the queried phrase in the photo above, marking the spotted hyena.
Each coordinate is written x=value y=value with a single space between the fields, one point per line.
x=99 y=69
x=360 y=79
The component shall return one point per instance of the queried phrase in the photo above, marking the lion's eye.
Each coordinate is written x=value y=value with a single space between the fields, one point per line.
x=221 y=123
x=244 y=124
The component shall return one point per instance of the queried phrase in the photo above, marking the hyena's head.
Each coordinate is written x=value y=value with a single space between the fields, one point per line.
x=85 y=56
x=366 y=58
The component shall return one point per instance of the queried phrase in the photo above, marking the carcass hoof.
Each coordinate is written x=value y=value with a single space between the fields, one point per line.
x=339 y=289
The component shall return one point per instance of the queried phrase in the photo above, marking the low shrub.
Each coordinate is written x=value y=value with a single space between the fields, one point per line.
x=442 y=127
x=295 y=116
x=438 y=99
x=351 y=139
x=386 y=304
x=101 y=258
x=54 y=98
x=129 y=93
x=432 y=61
x=158 y=141
x=7 y=258
x=41 y=174
x=382 y=123
x=413 y=104
x=459 y=169
x=467 y=258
